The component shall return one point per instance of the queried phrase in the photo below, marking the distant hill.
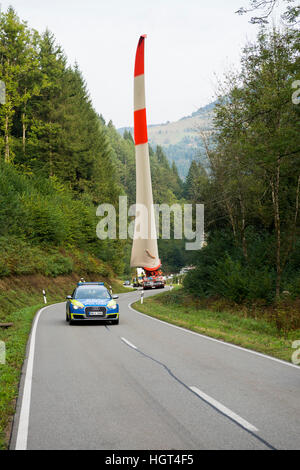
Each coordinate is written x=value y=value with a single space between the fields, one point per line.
x=181 y=139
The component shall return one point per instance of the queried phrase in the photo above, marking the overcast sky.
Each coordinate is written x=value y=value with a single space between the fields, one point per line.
x=189 y=41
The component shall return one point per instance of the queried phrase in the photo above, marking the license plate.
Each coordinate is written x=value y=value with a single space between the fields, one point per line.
x=96 y=314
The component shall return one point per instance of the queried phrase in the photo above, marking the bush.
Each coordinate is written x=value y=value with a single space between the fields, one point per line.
x=57 y=265
x=221 y=270
x=43 y=220
x=40 y=219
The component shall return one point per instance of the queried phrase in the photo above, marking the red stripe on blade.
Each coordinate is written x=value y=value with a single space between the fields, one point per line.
x=139 y=58
x=140 y=127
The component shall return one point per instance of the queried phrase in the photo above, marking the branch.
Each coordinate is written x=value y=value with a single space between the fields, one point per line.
x=266 y=5
x=290 y=153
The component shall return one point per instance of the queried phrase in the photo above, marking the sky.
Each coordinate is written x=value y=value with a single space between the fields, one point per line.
x=189 y=44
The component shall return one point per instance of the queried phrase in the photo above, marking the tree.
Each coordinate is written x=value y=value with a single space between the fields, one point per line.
x=258 y=146
x=17 y=64
x=45 y=130
x=291 y=14
x=195 y=183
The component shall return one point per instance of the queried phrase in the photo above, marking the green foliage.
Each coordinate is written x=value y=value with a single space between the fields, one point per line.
x=222 y=271
x=39 y=219
x=57 y=265
x=195 y=183
x=72 y=160
x=251 y=193
x=59 y=164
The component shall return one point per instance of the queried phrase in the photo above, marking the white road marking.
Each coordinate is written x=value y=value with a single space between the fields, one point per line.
x=22 y=435
x=128 y=343
x=209 y=338
x=226 y=411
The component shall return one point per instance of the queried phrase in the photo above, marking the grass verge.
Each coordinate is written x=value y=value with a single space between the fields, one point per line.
x=257 y=334
x=15 y=340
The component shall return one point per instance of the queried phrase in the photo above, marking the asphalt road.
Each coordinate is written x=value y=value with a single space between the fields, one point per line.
x=144 y=384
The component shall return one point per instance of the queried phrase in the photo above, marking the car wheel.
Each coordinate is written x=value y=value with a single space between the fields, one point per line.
x=67 y=316
x=115 y=322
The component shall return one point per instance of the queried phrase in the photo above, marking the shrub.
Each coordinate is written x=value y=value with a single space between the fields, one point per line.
x=221 y=269
x=57 y=265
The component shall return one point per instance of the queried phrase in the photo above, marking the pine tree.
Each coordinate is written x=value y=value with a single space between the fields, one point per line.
x=45 y=133
x=17 y=61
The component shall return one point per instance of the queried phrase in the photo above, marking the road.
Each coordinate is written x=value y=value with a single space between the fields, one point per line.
x=144 y=384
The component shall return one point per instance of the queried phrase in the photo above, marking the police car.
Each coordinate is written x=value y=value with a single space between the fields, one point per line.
x=92 y=301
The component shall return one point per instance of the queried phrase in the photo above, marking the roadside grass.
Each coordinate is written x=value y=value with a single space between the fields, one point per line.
x=15 y=340
x=257 y=334
x=118 y=288
x=20 y=299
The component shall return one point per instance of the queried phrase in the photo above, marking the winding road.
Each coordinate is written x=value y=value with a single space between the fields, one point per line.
x=145 y=384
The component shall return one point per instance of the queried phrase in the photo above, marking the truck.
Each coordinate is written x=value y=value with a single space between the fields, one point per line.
x=148 y=279
x=154 y=280
x=139 y=275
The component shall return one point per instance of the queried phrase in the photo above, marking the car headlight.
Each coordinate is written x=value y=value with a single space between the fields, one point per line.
x=77 y=305
x=112 y=305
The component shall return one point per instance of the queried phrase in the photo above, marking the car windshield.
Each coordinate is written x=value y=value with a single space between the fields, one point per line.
x=91 y=292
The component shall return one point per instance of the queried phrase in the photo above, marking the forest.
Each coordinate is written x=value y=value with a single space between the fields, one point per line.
x=251 y=193
x=60 y=159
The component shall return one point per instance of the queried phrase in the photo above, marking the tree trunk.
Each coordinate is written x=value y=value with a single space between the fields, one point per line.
x=294 y=226
x=50 y=152
x=50 y=162
x=6 y=137
x=231 y=218
x=242 y=207
x=275 y=199
x=24 y=133
x=243 y=235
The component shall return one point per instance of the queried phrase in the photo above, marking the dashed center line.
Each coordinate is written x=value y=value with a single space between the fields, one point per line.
x=208 y=400
x=128 y=343
x=226 y=411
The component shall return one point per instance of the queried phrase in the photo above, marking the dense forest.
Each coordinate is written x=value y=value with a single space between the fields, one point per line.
x=58 y=161
x=252 y=191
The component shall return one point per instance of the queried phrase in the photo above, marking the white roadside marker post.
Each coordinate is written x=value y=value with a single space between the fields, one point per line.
x=2 y=352
x=44 y=295
x=142 y=297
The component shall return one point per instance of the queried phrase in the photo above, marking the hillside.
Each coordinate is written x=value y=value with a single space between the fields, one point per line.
x=181 y=140
x=59 y=161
